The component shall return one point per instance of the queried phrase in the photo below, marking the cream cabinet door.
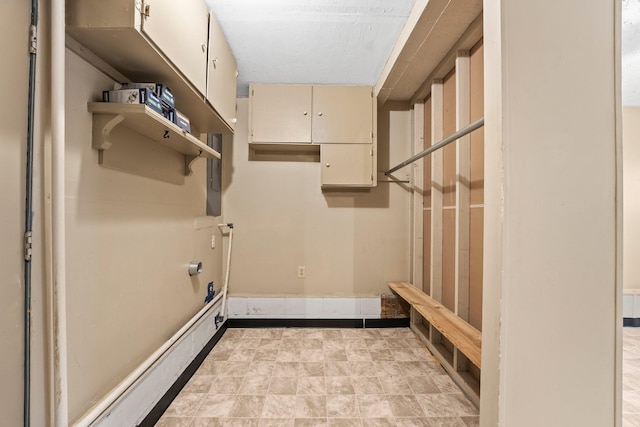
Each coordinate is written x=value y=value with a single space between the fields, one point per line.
x=180 y=31
x=280 y=113
x=223 y=71
x=347 y=165
x=342 y=114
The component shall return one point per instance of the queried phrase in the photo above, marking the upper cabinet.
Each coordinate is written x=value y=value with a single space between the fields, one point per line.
x=164 y=42
x=342 y=114
x=302 y=114
x=337 y=120
x=180 y=31
x=280 y=113
x=347 y=165
x=222 y=74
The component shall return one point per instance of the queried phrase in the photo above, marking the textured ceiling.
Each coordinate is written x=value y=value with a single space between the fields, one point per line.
x=310 y=41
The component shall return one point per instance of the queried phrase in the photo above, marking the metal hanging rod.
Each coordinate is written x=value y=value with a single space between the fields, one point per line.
x=448 y=140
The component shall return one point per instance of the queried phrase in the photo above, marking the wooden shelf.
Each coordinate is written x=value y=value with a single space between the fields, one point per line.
x=462 y=335
x=148 y=123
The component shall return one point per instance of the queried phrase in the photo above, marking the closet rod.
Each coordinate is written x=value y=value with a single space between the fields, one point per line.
x=454 y=136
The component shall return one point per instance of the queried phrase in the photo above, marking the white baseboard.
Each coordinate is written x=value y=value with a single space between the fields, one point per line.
x=631 y=304
x=134 y=405
x=304 y=308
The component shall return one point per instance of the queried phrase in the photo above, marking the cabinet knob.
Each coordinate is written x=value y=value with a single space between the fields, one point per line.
x=328 y=165
x=320 y=113
x=304 y=114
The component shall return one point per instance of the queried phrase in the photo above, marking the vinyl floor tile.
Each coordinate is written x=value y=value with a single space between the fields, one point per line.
x=292 y=377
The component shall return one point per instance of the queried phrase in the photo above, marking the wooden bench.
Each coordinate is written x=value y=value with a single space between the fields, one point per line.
x=462 y=335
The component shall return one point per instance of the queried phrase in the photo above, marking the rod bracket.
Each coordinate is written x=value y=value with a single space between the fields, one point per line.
x=33 y=39
x=28 y=244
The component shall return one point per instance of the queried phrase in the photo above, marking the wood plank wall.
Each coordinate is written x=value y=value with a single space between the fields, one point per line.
x=453 y=201
x=426 y=241
x=449 y=198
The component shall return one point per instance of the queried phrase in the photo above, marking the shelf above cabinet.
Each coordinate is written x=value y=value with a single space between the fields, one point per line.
x=144 y=121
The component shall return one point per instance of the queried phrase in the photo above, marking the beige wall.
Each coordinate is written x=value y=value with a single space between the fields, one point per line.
x=351 y=243
x=14 y=22
x=552 y=290
x=631 y=170
x=129 y=240
x=13 y=121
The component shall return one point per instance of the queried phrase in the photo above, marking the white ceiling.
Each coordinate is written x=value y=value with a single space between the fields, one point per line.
x=310 y=41
x=348 y=41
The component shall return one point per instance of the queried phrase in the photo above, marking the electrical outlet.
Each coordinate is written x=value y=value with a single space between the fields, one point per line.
x=301 y=271
x=213 y=241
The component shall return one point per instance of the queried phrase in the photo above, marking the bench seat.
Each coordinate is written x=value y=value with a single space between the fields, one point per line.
x=462 y=335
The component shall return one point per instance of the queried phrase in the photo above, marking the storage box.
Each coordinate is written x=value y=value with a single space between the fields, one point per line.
x=182 y=121
x=165 y=95
x=169 y=113
x=122 y=96
x=133 y=96
x=150 y=86
x=161 y=91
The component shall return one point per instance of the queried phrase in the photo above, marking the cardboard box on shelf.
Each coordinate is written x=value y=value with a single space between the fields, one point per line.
x=182 y=121
x=134 y=96
x=161 y=91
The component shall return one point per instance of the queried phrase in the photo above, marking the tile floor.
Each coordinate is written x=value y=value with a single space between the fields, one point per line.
x=320 y=377
x=631 y=377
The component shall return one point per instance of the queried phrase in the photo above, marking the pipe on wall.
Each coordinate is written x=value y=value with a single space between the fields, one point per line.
x=222 y=316
x=28 y=220
x=58 y=213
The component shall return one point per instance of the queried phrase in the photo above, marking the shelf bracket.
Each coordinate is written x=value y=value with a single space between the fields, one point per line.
x=103 y=124
x=189 y=160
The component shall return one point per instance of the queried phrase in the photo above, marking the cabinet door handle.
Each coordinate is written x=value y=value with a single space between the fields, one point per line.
x=204 y=47
x=320 y=113
x=304 y=114
x=215 y=63
x=328 y=165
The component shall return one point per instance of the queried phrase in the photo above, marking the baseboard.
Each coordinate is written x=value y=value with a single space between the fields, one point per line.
x=154 y=415
x=387 y=323
x=317 y=323
x=152 y=392
x=258 y=307
x=631 y=322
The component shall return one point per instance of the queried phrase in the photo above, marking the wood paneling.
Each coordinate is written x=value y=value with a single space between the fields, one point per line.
x=477 y=137
x=453 y=204
x=449 y=258
x=427 y=160
x=463 y=159
x=417 y=201
x=426 y=276
x=477 y=188
x=449 y=152
x=476 y=229
x=436 y=191
x=426 y=201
